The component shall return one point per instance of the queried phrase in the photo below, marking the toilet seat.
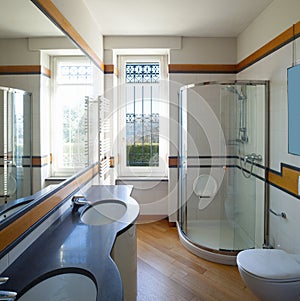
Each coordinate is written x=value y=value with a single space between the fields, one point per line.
x=270 y=264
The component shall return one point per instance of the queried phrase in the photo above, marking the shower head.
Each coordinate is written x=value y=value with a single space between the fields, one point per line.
x=234 y=90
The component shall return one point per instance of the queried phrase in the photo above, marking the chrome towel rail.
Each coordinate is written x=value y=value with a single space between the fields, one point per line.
x=282 y=214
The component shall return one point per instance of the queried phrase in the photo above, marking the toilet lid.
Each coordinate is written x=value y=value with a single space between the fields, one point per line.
x=270 y=263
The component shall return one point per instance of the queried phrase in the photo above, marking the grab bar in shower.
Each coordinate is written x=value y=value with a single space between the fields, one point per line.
x=282 y=214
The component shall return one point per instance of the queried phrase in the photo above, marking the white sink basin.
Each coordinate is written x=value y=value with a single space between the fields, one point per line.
x=63 y=287
x=104 y=212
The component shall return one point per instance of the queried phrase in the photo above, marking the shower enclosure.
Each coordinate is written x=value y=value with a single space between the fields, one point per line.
x=223 y=154
x=15 y=144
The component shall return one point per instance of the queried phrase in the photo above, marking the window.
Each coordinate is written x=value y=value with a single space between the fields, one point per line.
x=143 y=117
x=73 y=80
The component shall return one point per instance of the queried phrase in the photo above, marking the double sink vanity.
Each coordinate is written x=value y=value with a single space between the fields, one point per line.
x=88 y=253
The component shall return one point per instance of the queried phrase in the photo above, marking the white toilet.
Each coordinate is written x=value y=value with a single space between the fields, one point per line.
x=271 y=274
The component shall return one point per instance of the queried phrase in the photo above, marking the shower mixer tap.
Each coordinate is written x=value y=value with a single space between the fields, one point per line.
x=249 y=158
x=252 y=158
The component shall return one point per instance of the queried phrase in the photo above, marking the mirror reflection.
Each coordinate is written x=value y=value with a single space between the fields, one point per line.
x=28 y=42
x=15 y=144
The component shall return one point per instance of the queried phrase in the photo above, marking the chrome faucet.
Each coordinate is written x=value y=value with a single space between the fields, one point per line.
x=252 y=157
x=3 y=280
x=78 y=201
x=6 y=295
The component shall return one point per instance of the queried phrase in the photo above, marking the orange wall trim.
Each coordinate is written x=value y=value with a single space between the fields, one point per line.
x=112 y=162
x=111 y=69
x=24 y=70
x=286 y=179
x=56 y=16
x=52 y=12
x=281 y=40
x=38 y=161
x=297 y=30
x=278 y=42
x=201 y=68
x=17 y=228
x=173 y=162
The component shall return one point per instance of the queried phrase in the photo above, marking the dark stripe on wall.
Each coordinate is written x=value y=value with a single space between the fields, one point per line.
x=175 y=164
x=283 y=189
x=285 y=180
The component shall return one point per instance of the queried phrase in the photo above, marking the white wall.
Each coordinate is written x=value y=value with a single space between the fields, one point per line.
x=205 y=51
x=141 y=42
x=275 y=19
x=279 y=16
x=10 y=53
x=151 y=195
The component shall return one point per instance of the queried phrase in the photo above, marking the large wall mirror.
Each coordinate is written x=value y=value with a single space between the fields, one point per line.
x=22 y=21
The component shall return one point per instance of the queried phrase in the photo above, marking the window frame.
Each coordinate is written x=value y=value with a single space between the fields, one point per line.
x=56 y=170
x=143 y=171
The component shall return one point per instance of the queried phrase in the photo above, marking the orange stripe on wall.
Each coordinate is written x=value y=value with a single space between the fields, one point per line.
x=41 y=161
x=173 y=162
x=267 y=49
x=281 y=40
x=297 y=29
x=202 y=68
x=51 y=11
x=25 y=69
x=110 y=69
x=287 y=179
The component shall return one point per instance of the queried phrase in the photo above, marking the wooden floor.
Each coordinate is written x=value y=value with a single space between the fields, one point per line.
x=168 y=272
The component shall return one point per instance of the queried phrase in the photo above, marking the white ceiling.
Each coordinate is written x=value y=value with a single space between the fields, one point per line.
x=205 y=18
x=21 y=18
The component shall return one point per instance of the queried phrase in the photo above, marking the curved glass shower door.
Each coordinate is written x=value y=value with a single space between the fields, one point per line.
x=222 y=159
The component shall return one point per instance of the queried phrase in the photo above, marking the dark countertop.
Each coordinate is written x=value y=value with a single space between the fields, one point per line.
x=70 y=245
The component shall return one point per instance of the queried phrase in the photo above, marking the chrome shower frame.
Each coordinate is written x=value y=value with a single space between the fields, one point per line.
x=217 y=255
